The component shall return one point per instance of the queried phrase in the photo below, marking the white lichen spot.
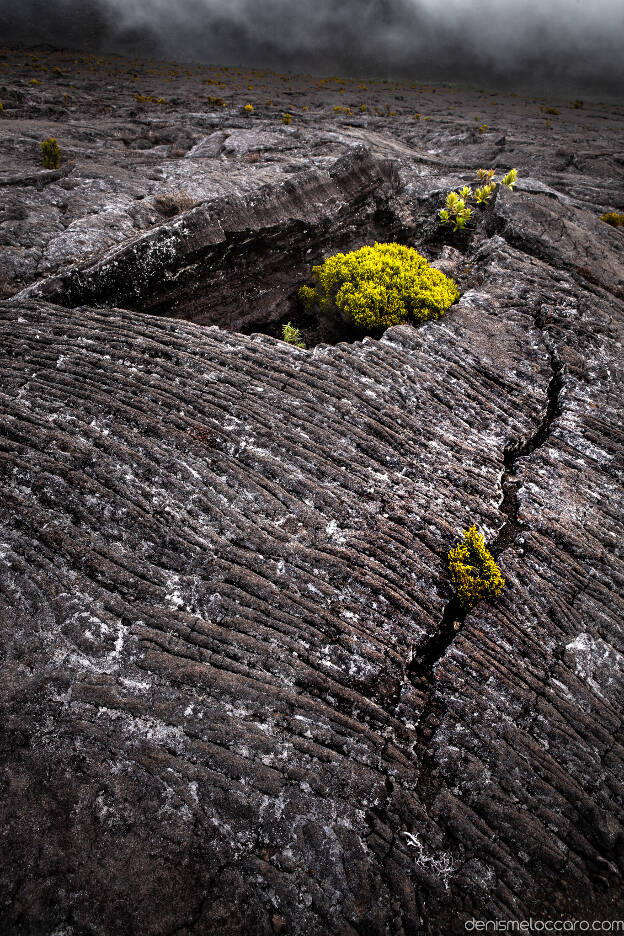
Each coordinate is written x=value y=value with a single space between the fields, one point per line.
x=440 y=864
x=596 y=662
x=334 y=532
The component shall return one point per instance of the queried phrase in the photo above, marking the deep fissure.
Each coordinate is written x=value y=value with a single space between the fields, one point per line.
x=509 y=505
x=420 y=669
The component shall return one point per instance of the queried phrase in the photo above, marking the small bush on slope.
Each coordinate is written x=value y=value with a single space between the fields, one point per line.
x=377 y=287
x=51 y=153
x=613 y=218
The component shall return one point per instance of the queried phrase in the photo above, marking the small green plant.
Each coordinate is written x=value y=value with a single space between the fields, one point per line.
x=51 y=153
x=380 y=286
x=456 y=210
x=613 y=218
x=483 y=194
x=248 y=108
x=510 y=179
x=474 y=572
x=577 y=105
x=286 y=119
x=292 y=335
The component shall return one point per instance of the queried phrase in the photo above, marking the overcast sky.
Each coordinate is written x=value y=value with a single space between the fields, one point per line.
x=574 y=45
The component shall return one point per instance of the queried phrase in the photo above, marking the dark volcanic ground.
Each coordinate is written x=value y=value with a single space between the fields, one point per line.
x=234 y=696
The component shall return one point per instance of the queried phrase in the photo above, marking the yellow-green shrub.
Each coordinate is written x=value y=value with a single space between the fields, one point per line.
x=149 y=99
x=613 y=218
x=51 y=153
x=473 y=569
x=377 y=287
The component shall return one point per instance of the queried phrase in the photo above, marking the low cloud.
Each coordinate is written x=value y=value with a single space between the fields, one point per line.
x=568 y=44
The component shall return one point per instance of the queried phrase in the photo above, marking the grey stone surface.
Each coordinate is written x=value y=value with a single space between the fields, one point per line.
x=233 y=696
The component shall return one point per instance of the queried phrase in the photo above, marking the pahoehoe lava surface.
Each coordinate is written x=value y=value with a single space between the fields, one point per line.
x=237 y=696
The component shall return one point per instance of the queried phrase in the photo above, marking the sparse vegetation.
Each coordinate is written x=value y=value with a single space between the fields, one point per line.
x=149 y=99
x=292 y=335
x=248 y=108
x=484 y=193
x=286 y=119
x=171 y=204
x=614 y=218
x=51 y=153
x=380 y=286
x=474 y=572
x=456 y=210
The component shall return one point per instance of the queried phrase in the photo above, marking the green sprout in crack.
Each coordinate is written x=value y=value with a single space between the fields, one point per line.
x=456 y=210
x=452 y=202
x=510 y=179
x=462 y=218
x=484 y=193
x=292 y=336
